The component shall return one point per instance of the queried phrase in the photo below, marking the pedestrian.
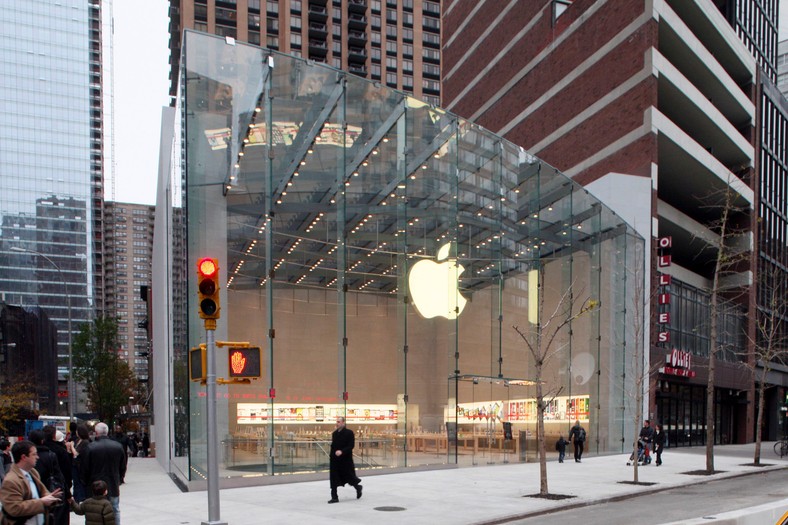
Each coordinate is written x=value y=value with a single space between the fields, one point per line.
x=72 y=432
x=105 y=460
x=49 y=472
x=81 y=446
x=341 y=468
x=5 y=450
x=23 y=495
x=560 y=446
x=647 y=437
x=145 y=444
x=121 y=438
x=54 y=440
x=132 y=445
x=659 y=443
x=97 y=510
x=577 y=435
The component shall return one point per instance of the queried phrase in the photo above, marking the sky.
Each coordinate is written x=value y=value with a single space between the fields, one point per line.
x=141 y=66
x=142 y=88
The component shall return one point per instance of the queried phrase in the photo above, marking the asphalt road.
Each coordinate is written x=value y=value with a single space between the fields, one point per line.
x=656 y=507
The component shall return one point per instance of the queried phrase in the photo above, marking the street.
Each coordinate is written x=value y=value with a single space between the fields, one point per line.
x=695 y=501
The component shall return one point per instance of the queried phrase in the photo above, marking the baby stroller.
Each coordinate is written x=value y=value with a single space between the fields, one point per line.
x=644 y=456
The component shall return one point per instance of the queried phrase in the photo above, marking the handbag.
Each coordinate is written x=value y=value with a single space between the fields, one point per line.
x=54 y=483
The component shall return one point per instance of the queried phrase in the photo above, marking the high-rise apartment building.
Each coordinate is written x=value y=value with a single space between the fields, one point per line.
x=654 y=107
x=396 y=42
x=51 y=161
x=128 y=234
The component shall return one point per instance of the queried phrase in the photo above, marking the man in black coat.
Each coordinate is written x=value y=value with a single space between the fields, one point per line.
x=342 y=470
x=61 y=515
x=49 y=471
x=106 y=460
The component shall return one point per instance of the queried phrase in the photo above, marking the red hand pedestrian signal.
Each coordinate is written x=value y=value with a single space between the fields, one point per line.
x=237 y=362
x=244 y=362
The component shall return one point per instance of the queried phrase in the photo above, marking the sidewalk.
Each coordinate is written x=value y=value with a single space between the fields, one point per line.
x=476 y=495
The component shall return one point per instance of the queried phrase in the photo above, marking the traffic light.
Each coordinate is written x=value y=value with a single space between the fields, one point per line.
x=197 y=364
x=244 y=362
x=208 y=288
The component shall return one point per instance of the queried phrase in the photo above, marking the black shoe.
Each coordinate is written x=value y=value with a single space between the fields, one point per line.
x=334 y=500
x=359 y=488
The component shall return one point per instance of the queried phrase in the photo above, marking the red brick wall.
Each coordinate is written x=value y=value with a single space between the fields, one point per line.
x=605 y=127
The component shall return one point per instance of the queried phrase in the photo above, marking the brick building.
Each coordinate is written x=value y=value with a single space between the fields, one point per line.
x=396 y=42
x=655 y=108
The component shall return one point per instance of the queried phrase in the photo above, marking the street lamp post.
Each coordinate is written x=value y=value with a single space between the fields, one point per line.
x=70 y=384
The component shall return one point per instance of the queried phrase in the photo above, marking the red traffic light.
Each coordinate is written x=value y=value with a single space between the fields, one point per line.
x=208 y=288
x=207 y=267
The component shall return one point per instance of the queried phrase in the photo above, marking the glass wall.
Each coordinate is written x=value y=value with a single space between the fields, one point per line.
x=46 y=210
x=397 y=265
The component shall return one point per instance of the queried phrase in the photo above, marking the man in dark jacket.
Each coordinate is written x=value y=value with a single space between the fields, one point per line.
x=342 y=470
x=106 y=460
x=647 y=438
x=577 y=435
x=61 y=515
x=48 y=469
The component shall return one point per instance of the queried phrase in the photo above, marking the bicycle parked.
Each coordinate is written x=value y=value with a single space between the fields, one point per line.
x=781 y=448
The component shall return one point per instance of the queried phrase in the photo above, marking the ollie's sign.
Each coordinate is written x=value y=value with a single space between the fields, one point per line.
x=678 y=363
x=663 y=296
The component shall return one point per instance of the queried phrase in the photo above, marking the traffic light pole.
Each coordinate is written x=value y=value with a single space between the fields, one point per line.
x=213 y=442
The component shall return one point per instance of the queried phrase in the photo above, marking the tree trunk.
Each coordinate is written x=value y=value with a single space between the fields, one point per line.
x=710 y=413
x=759 y=420
x=540 y=437
x=710 y=391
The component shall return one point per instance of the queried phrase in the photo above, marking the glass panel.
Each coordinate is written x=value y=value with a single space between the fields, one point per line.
x=380 y=251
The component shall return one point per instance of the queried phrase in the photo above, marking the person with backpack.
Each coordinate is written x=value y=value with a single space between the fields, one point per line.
x=560 y=446
x=578 y=438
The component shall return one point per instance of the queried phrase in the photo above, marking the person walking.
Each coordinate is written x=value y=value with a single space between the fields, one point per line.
x=659 y=443
x=560 y=446
x=578 y=438
x=23 y=495
x=97 y=510
x=145 y=444
x=105 y=460
x=647 y=437
x=342 y=471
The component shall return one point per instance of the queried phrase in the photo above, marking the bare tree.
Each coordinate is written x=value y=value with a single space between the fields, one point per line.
x=728 y=259
x=642 y=373
x=540 y=338
x=770 y=344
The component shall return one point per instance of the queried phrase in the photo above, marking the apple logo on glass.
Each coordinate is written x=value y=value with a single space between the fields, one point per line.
x=434 y=286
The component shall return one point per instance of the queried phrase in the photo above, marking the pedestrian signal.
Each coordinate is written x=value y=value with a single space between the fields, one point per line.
x=197 y=366
x=208 y=288
x=244 y=362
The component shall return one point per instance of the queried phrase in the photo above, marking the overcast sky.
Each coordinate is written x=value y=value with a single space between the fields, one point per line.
x=142 y=89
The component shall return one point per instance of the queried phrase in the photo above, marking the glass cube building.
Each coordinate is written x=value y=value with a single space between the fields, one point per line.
x=396 y=264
